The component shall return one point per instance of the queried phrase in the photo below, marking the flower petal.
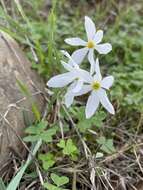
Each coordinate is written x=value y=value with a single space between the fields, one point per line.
x=98 y=76
x=75 y=42
x=105 y=101
x=107 y=82
x=98 y=36
x=90 y=28
x=103 y=48
x=84 y=75
x=69 y=97
x=67 y=66
x=78 y=86
x=92 y=104
x=79 y=55
x=71 y=61
x=61 y=80
x=85 y=89
x=91 y=60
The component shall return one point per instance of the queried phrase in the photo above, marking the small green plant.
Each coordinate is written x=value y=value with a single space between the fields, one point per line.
x=39 y=131
x=59 y=181
x=84 y=124
x=48 y=160
x=106 y=145
x=68 y=148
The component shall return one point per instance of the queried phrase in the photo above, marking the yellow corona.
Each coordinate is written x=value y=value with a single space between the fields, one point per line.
x=90 y=44
x=96 y=85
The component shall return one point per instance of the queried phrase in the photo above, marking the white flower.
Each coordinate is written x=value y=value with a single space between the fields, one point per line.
x=94 y=38
x=69 y=96
x=75 y=76
x=97 y=86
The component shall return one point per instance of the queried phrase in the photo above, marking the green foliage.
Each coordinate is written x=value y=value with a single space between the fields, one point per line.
x=69 y=148
x=52 y=58
x=2 y=185
x=125 y=61
x=48 y=160
x=84 y=124
x=99 y=155
x=38 y=131
x=106 y=145
x=52 y=187
x=128 y=89
x=58 y=181
x=36 y=33
x=35 y=111
x=14 y=183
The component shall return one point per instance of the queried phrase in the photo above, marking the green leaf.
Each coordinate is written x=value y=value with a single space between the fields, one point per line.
x=2 y=185
x=101 y=140
x=38 y=132
x=35 y=111
x=13 y=185
x=68 y=148
x=48 y=160
x=31 y=138
x=85 y=124
x=59 y=181
x=27 y=118
x=61 y=144
x=98 y=119
x=51 y=187
x=37 y=128
x=106 y=145
x=99 y=155
x=47 y=136
x=33 y=130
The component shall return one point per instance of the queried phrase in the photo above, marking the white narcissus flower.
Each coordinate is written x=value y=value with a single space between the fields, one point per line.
x=75 y=76
x=94 y=38
x=97 y=86
x=69 y=96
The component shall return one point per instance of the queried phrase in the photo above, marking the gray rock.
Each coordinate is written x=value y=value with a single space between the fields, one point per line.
x=13 y=65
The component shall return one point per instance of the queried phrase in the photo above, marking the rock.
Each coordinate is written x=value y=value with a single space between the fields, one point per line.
x=13 y=65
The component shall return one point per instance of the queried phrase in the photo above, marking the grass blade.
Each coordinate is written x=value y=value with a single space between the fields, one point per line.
x=16 y=180
x=2 y=185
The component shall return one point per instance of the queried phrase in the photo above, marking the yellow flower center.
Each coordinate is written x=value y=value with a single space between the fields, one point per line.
x=96 y=85
x=90 y=44
x=77 y=78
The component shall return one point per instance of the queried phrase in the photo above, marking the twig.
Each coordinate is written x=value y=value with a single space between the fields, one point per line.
x=116 y=155
x=137 y=160
x=107 y=180
x=40 y=175
x=139 y=124
x=74 y=181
